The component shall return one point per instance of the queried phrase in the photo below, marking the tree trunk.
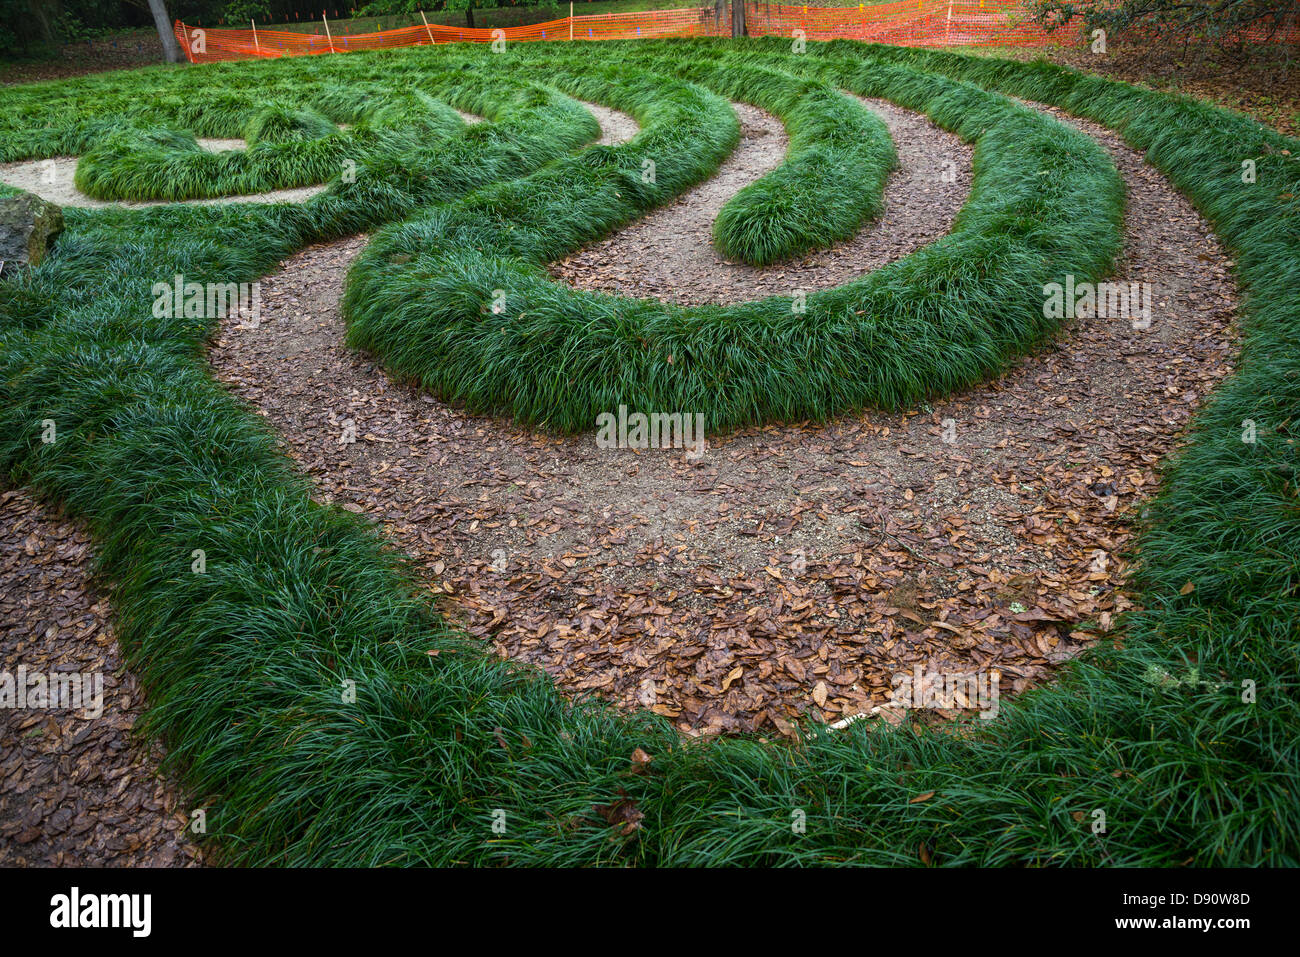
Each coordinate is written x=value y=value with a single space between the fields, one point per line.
x=171 y=52
x=44 y=12
x=469 y=16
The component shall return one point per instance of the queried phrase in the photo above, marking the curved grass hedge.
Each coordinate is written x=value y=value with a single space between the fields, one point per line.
x=282 y=123
x=832 y=180
x=243 y=664
x=830 y=183
x=287 y=148
x=1045 y=201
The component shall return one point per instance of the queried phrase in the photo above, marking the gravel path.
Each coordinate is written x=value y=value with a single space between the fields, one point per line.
x=615 y=127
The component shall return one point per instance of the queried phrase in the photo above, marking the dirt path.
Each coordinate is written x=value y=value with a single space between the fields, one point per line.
x=54 y=180
x=647 y=256
x=615 y=127
x=794 y=568
x=669 y=253
x=76 y=787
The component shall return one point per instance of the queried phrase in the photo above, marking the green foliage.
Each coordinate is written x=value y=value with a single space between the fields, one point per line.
x=244 y=11
x=832 y=179
x=280 y=123
x=130 y=157
x=381 y=8
x=1046 y=201
x=1215 y=20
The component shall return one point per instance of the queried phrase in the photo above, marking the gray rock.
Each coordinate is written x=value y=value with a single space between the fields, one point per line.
x=28 y=228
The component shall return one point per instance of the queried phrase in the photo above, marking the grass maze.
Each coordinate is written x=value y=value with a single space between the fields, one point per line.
x=242 y=663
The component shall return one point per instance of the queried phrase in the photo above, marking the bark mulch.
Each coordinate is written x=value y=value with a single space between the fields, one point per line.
x=74 y=789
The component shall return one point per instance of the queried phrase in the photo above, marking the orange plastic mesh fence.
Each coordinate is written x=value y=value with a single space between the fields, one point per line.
x=205 y=44
x=908 y=23
x=905 y=23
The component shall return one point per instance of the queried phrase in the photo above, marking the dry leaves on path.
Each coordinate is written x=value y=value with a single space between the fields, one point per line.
x=795 y=569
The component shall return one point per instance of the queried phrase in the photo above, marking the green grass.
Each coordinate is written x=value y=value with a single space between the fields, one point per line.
x=828 y=186
x=244 y=664
x=287 y=147
x=832 y=180
x=1046 y=201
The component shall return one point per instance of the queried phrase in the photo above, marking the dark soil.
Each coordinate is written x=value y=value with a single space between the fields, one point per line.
x=125 y=49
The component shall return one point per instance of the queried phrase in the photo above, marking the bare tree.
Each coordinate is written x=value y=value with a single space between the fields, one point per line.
x=171 y=51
